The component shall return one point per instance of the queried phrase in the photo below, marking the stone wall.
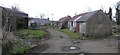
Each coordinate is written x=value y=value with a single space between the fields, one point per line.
x=0 y=16
x=0 y=40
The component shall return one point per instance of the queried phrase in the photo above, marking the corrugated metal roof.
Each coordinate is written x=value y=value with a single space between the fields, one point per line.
x=87 y=16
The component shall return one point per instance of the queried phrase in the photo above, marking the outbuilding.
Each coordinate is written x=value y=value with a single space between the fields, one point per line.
x=37 y=22
x=94 y=23
x=72 y=22
x=63 y=22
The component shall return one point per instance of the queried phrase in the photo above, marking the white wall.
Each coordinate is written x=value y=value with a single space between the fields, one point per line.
x=70 y=26
x=74 y=23
x=30 y=22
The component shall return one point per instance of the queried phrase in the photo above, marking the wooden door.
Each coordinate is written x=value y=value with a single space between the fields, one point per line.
x=77 y=28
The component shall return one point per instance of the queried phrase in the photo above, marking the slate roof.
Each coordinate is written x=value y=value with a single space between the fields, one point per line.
x=61 y=19
x=41 y=21
x=64 y=19
x=87 y=16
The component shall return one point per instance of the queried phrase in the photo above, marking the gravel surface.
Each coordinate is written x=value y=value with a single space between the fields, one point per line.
x=59 y=40
x=106 y=45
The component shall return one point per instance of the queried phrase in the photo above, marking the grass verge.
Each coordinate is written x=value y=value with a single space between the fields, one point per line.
x=70 y=33
x=28 y=33
x=41 y=27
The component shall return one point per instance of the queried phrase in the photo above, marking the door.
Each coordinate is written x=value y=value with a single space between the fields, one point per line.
x=77 y=28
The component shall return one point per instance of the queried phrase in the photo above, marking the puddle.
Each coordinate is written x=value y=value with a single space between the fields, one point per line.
x=76 y=42
x=70 y=48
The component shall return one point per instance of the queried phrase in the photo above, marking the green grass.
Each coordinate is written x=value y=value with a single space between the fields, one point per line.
x=70 y=33
x=20 y=49
x=114 y=33
x=44 y=27
x=25 y=33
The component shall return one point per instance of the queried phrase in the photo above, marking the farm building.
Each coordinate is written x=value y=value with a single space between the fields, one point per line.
x=35 y=22
x=63 y=22
x=72 y=22
x=54 y=23
x=94 y=23
x=15 y=19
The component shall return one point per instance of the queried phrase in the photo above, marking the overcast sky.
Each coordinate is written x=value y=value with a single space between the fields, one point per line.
x=59 y=8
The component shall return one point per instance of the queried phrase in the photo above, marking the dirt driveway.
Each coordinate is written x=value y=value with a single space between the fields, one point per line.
x=62 y=43
x=58 y=41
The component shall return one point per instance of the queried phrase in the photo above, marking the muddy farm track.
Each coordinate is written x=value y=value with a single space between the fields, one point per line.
x=59 y=42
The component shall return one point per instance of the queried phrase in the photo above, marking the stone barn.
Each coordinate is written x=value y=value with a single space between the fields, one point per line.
x=95 y=23
x=63 y=22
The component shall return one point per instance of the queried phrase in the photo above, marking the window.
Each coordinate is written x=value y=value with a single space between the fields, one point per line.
x=71 y=23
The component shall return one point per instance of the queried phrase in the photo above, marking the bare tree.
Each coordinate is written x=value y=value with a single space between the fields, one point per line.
x=9 y=20
x=8 y=23
x=16 y=8
x=42 y=15
x=110 y=13
x=101 y=7
x=89 y=9
x=117 y=7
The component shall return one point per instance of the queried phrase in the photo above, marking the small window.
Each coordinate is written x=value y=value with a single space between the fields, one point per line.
x=39 y=24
